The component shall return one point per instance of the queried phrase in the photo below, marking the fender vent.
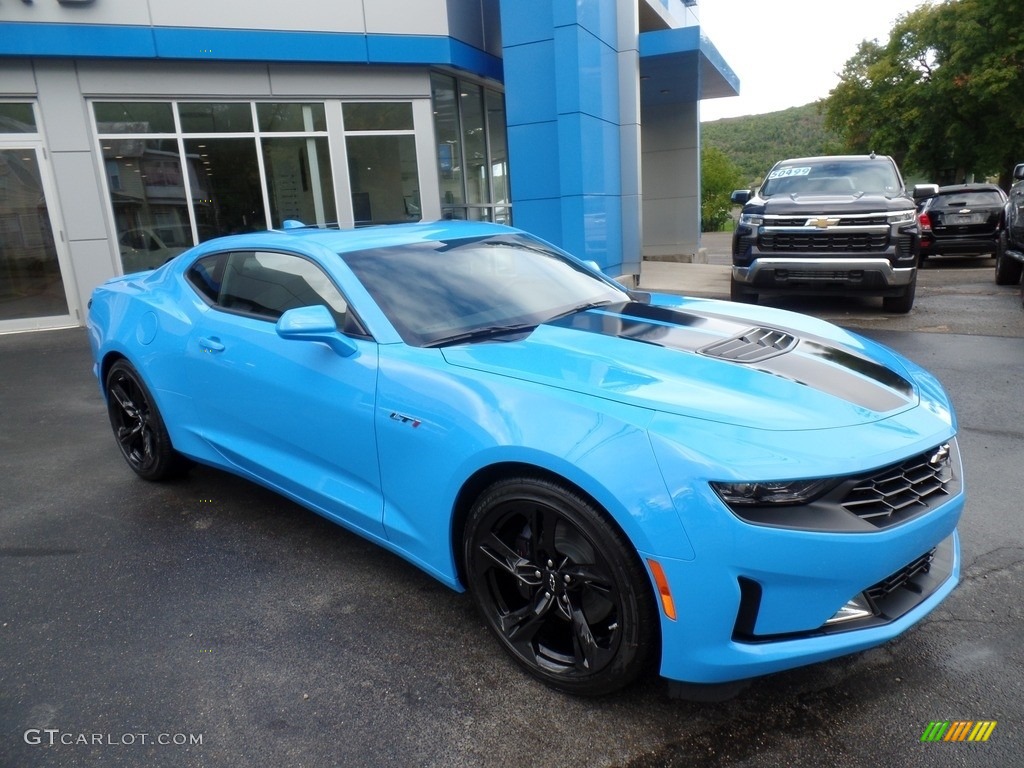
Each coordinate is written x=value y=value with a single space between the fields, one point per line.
x=751 y=346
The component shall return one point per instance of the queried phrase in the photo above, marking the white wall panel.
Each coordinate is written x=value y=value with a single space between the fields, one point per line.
x=156 y=78
x=17 y=77
x=322 y=16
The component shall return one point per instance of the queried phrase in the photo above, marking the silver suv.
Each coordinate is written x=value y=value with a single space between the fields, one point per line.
x=840 y=224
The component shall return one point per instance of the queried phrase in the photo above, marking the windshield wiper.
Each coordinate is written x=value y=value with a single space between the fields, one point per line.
x=482 y=334
x=581 y=308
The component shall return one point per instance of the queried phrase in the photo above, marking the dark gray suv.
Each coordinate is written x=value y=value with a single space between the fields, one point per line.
x=840 y=224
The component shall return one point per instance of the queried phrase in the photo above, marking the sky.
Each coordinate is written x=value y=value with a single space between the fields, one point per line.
x=787 y=53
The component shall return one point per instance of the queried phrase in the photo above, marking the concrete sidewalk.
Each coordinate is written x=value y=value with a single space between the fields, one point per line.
x=706 y=280
x=708 y=276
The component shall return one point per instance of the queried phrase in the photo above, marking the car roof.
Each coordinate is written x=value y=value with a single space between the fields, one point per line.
x=953 y=189
x=297 y=235
x=837 y=158
x=386 y=235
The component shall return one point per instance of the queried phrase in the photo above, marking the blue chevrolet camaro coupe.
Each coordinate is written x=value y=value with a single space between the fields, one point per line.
x=620 y=481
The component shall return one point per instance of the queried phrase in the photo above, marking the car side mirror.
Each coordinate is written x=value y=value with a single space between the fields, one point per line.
x=924 y=191
x=1018 y=172
x=315 y=323
x=740 y=196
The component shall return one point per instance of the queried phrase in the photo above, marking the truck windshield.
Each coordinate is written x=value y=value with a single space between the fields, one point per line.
x=831 y=177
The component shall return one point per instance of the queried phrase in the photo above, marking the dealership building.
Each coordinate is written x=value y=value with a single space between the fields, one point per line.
x=132 y=129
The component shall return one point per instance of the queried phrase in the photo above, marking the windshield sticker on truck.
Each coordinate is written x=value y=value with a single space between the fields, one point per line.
x=782 y=173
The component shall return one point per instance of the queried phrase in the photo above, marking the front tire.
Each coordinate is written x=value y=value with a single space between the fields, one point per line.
x=559 y=586
x=138 y=426
x=739 y=295
x=1008 y=271
x=902 y=304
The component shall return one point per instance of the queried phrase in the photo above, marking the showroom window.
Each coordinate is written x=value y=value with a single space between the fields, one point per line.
x=472 y=150
x=381 y=144
x=182 y=172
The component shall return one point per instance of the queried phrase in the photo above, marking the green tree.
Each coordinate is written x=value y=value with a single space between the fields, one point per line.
x=719 y=176
x=944 y=95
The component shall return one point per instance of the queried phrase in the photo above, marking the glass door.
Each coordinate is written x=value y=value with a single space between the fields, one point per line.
x=32 y=287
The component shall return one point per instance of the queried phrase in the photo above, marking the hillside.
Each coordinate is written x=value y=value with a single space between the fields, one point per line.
x=755 y=142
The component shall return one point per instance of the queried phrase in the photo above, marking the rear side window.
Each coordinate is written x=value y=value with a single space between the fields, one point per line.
x=266 y=284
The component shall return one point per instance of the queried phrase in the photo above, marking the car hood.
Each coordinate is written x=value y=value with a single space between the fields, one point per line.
x=697 y=361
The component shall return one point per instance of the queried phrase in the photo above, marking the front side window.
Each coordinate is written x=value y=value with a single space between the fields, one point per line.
x=266 y=284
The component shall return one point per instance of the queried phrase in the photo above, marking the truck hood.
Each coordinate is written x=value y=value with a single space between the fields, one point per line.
x=811 y=205
x=700 y=362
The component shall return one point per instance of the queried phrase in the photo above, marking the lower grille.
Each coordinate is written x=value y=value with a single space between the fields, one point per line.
x=900 y=579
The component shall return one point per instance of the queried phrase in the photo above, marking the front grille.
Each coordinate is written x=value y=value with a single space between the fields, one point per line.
x=899 y=491
x=824 y=242
x=900 y=579
x=862 y=220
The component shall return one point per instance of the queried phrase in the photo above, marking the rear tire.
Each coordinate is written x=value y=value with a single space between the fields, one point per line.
x=138 y=426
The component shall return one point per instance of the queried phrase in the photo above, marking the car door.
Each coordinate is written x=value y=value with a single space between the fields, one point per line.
x=295 y=414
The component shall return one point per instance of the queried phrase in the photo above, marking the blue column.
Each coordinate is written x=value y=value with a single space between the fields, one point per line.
x=561 y=63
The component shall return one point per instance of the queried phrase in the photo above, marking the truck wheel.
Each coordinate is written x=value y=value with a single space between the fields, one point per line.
x=1008 y=271
x=903 y=303
x=738 y=294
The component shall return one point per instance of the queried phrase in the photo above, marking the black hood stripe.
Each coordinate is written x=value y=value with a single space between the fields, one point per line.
x=812 y=362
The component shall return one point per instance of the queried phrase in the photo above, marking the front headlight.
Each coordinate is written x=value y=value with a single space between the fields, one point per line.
x=902 y=217
x=751 y=220
x=775 y=492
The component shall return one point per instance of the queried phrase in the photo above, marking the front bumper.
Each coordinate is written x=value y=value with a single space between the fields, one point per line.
x=757 y=599
x=822 y=273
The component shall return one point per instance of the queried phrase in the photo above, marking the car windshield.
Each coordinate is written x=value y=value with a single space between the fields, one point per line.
x=471 y=289
x=829 y=176
x=978 y=198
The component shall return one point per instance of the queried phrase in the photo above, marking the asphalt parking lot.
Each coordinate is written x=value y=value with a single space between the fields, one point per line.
x=208 y=622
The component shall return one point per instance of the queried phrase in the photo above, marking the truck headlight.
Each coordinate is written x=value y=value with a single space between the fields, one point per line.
x=902 y=217
x=751 y=220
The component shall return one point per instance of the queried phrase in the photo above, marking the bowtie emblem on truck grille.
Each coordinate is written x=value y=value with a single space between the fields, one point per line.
x=822 y=222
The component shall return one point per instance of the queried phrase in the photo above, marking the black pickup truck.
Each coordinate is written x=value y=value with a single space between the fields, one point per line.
x=1010 y=254
x=839 y=224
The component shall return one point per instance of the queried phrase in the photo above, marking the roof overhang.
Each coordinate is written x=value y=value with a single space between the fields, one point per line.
x=679 y=66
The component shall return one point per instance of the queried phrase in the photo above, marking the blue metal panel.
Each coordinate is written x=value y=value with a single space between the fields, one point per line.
x=535 y=147
x=528 y=82
x=589 y=160
x=586 y=77
x=526 y=21
x=85 y=40
x=135 y=42
x=594 y=228
x=250 y=45
x=598 y=17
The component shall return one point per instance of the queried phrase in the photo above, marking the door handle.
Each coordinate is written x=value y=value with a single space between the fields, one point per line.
x=211 y=344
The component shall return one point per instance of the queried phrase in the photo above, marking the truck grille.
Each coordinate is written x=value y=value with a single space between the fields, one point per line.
x=824 y=242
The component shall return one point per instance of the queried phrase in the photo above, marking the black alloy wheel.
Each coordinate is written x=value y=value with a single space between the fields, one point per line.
x=560 y=587
x=138 y=426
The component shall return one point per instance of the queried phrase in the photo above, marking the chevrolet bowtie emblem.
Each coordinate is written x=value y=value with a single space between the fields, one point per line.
x=822 y=223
